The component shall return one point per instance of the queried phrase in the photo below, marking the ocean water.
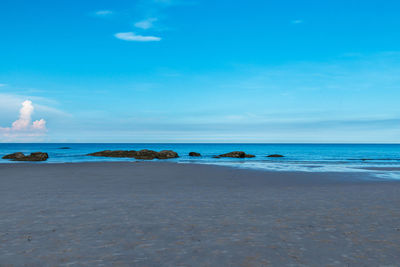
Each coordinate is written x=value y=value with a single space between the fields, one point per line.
x=298 y=157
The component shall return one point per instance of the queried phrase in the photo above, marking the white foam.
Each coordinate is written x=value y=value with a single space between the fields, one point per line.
x=309 y=167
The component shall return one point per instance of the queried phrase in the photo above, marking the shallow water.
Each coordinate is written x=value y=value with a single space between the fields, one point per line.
x=298 y=157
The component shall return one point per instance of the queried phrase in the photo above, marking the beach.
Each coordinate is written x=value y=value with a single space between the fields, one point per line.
x=175 y=214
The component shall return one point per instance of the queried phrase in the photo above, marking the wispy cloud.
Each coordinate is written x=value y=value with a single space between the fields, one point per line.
x=3 y=84
x=103 y=13
x=24 y=126
x=297 y=21
x=152 y=11
x=132 y=37
x=145 y=24
x=10 y=102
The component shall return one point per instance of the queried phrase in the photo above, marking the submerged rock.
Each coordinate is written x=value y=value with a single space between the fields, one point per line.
x=115 y=154
x=65 y=147
x=194 y=154
x=237 y=154
x=36 y=156
x=275 y=156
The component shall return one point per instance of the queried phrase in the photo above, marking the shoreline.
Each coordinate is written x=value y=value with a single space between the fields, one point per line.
x=354 y=173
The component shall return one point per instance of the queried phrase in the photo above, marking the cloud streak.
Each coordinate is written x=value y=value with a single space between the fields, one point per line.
x=145 y=24
x=103 y=13
x=151 y=10
x=297 y=21
x=132 y=37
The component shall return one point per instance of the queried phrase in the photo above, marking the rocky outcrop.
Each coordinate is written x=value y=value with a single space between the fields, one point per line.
x=234 y=154
x=146 y=154
x=275 y=156
x=114 y=154
x=14 y=156
x=141 y=154
x=167 y=154
x=36 y=156
x=237 y=154
x=194 y=154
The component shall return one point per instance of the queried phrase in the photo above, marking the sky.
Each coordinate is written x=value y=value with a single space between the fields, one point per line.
x=254 y=71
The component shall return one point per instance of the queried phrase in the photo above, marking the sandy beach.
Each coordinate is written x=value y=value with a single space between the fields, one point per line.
x=168 y=214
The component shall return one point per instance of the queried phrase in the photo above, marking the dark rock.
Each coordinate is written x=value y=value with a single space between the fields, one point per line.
x=194 y=154
x=142 y=154
x=64 y=147
x=234 y=154
x=115 y=154
x=36 y=156
x=237 y=154
x=17 y=155
x=216 y=157
x=167 y=154
x=146 y=154
x=275 y=156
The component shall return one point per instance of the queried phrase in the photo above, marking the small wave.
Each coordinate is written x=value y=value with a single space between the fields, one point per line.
x=375 y=159
x=293 y=167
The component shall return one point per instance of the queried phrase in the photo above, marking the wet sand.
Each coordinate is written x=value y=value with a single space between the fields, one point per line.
x=167 y=214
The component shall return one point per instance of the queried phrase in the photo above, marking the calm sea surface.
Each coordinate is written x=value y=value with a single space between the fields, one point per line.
x=298 y=157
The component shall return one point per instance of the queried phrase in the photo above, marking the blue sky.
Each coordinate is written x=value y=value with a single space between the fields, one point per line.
x=199 y=71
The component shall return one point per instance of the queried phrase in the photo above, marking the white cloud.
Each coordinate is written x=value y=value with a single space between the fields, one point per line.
x=10 y=102
x=104 y=12
x=297 y=21
x=145 y=24
x=39 y=125
x=24 y=126
x=130 y=36
x=25 y=114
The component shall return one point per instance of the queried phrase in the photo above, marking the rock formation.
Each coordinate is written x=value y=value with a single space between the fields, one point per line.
x=36 y=156
x=145 y=154
x=141 y=154
x=14 y=156
x=236 y=154
x=115 y=154
x=275 y=156
x=167 y=154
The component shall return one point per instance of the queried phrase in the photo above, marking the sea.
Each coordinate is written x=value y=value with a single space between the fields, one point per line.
x=381 y=160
